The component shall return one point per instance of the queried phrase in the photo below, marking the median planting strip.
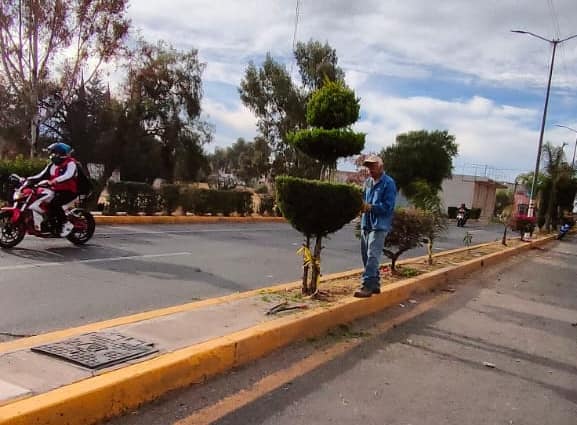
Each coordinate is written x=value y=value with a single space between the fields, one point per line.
x=196 y=341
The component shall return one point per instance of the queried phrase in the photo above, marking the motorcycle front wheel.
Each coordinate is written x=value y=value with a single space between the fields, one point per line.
x=84 y=226
x=11 y=234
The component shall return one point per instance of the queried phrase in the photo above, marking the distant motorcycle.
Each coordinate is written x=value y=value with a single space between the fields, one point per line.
x=563 y=231
x=461 y=219
x=17 y=221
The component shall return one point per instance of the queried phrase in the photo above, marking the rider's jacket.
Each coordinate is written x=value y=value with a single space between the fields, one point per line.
x=63 y=175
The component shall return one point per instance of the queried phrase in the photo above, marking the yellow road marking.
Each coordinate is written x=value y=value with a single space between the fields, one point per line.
x=271 y=382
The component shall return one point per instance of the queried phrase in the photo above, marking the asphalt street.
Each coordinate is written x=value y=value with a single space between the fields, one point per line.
x=50 y=284
x=498 y=351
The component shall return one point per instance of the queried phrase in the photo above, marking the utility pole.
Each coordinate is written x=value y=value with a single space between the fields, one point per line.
x=553 y=42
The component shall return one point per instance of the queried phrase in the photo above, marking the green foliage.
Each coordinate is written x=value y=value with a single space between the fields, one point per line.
x=409 y=229
x=22 y=167
x=165 y=91
x=420 y=155
x=132 y=197
x=135 y=197
x=475 y=213
x=262 y=189
x=327 y=145
x=280 y=104
x=246 y=160
x=503 y=199
x=317 y=208
x=332 y=106
x=208 y=201
x=267 y=205
x=317 y=63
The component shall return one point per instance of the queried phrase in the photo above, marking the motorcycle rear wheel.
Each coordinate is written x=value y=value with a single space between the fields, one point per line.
x=84 y=227
x=11 y=234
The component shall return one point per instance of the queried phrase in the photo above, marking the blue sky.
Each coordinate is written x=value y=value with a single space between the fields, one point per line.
x=416 y=64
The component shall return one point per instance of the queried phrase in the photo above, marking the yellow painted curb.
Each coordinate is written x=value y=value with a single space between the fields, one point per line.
x=162 y=219
x=113 y=393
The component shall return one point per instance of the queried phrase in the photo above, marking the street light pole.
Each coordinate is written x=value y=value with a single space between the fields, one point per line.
x=554 y=42
x=575 y=148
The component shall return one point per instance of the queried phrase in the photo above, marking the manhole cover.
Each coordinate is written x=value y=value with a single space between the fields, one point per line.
x=98 y=349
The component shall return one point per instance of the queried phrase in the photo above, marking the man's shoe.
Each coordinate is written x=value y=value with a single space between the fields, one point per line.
x=363 y=293
x=67 y=227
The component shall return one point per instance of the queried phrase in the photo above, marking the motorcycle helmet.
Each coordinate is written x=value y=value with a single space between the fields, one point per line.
x=58 y=152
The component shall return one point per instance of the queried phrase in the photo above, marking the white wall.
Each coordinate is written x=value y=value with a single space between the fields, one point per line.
x=460 y=189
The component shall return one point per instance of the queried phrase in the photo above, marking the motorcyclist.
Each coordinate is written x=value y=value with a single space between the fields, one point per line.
x=58 y=183
x=463 y=210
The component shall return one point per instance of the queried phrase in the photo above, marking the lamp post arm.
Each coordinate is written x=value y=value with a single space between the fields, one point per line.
x=533 y=34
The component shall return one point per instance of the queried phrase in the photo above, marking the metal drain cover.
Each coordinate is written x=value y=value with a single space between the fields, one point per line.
x=97 y=350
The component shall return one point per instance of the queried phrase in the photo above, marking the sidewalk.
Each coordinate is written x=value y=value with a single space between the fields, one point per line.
x=188 y=344
x=501 y=351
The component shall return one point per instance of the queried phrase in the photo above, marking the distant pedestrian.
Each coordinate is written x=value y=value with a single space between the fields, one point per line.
x=379 y=194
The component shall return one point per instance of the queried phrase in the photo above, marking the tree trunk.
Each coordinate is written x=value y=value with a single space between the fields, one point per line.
x=394 y=263
x=33 y=135
x=430 y=251
x=504 y=240
x=316 y=265
x=306 y=266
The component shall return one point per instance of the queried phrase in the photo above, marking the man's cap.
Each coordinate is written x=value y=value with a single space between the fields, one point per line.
x=371 y=159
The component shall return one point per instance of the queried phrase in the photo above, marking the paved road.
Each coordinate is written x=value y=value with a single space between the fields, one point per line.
x=50 y=284
x=519 y=316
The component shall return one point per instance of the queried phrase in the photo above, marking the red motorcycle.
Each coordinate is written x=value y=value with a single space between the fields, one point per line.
x=17 y=220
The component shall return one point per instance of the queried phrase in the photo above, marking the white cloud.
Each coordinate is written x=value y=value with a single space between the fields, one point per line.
x=384 y=48
x=233 y=122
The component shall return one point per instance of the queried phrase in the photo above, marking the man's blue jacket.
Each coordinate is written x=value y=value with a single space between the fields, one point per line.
x=381 y=196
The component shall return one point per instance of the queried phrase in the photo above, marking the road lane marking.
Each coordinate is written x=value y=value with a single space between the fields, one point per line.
x=269 y=383
x=160 y=232
x=91 y=260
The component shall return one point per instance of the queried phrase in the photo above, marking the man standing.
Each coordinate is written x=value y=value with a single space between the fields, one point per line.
x=379 y=194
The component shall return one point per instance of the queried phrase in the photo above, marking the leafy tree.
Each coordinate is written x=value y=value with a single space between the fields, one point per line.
x=317 y=62
x=503 y=199
x=280 y=105
x=428 y=200
x=47 y=45
x=420 y=155
x=555 y=168
x=165 y=89
x=246 y=160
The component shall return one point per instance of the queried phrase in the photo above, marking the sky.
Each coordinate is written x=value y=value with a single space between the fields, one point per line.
x=415 y=64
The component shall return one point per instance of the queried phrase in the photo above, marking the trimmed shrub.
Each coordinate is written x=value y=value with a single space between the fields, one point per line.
x=22 y=167
x=170 y=196
x=475 y=213
x=267 y=205
x=132 y=197
x=409 y=230
x=332 y=106
x=317 y=208
x=327 y=145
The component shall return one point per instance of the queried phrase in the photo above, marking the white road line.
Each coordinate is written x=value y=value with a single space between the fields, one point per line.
x=91 y=260
x=160 y=232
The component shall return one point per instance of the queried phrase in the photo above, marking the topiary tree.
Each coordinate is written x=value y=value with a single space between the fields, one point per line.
x=318 y=208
